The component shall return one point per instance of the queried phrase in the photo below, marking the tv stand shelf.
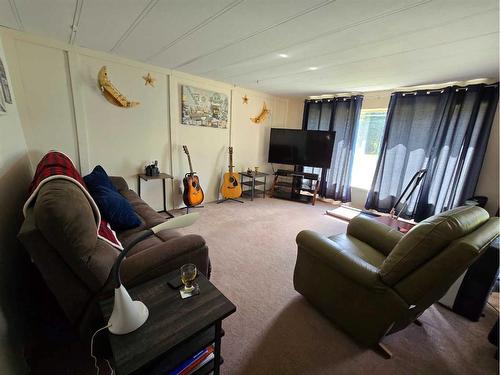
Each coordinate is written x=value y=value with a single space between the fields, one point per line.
x=290 y=185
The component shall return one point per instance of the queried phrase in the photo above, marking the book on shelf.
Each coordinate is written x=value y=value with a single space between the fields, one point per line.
x=209 y=358
x=187 y=367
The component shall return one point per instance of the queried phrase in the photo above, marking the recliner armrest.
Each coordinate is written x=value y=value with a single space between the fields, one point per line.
x=379 y=236
x=349 y=265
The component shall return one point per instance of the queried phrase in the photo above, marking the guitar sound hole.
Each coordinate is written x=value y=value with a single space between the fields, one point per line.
x=193 y=184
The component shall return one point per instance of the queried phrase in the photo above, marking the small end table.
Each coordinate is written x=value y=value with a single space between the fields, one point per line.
x=161 y=176
x=252 y=181
x=176 y=328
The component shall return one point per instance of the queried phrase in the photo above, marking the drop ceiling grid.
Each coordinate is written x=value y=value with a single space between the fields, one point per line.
x=367 y=53
x=400 y=70
x=103 y=23
x=355 y=43
x=367 y=37
x=303 y=30
x=166 y=22
x=51 y=18
x=248 y=19
x=8 y=16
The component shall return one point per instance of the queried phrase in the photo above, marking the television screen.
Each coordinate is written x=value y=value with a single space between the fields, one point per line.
x=312 y=148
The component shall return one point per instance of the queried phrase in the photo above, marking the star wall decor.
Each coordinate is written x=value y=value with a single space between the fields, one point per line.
x=245 y=99
x=149 y=80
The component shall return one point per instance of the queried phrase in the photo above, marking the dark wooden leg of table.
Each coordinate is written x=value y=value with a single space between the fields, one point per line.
x=264 y=193
x=139 y=186
x=164 y=198
x=253 y=189
x=218 y=332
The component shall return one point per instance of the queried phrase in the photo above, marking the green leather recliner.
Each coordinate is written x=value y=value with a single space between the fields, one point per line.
x=373 y=280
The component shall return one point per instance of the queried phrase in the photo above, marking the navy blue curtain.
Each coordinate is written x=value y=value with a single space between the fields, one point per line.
x=342 y=116
x=444 y=131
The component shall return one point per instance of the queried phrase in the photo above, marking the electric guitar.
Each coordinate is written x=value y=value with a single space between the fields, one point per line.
x=193 y=193
x=231 y=187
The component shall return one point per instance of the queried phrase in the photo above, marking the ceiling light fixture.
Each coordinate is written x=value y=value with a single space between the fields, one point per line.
x=313 y=68
x=284 y=55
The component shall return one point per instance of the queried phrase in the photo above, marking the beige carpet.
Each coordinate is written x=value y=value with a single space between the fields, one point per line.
x=275 y=331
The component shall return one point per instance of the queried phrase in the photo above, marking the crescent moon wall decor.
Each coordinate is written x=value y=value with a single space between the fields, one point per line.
x=262 y=116
x=110 y=92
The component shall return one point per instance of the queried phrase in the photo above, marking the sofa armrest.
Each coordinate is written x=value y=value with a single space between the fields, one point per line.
x=327 y=252
x=164 y=258
x=119 y=183
x=379 y=236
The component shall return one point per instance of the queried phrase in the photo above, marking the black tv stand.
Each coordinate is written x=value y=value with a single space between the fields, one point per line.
x=290 y=185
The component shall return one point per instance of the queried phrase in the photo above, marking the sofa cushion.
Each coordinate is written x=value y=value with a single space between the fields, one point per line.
x=149 y=216
x=152 y=241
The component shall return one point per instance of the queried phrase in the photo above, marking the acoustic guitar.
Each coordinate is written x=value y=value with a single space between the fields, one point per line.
x=231 y=187
x=193 y=193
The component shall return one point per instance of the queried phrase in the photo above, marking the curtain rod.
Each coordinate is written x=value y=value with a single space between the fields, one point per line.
x=403 y=93
x=344 y=98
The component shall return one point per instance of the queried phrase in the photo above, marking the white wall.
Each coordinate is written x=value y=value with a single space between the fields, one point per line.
x=15 y=175
x=44 y=98
x=62 y=108
x=207 y=146
x=124 y=140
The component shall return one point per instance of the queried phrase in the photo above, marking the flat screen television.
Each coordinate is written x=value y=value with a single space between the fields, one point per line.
x=312 y=148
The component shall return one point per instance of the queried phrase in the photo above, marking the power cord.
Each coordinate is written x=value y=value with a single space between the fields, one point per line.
x=92 y=350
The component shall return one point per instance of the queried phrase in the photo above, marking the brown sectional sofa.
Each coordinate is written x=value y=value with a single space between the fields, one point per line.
x=60 y=235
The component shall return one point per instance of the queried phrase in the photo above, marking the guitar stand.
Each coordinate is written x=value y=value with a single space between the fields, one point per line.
x=229 y=199
x=188 y=207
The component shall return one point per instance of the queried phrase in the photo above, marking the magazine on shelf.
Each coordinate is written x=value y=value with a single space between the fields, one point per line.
x=186 y=367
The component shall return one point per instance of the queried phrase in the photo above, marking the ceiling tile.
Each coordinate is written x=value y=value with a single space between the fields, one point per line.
x=103 y=23
x=323 y=21
x=249 y=18
x=7 y=15
x=356 y=44
x=51 y=18
x=166 y=22
x=404 y=28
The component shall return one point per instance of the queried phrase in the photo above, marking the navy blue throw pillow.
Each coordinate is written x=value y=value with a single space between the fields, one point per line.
x=114 y=208
x=97 y=178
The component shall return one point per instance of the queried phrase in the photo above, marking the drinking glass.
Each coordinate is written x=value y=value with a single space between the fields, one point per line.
x=188 y=274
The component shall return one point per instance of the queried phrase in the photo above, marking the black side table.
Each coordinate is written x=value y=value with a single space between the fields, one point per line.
x=253 y=180
x=162 y=177
x=176 y=328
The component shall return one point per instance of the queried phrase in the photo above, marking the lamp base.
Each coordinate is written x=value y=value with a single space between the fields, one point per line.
x=127 y=315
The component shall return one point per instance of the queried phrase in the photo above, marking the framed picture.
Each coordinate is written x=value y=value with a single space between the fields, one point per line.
x=4 y=84
x=204 y=108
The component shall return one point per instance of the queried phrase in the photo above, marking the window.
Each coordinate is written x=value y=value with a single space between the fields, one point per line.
x=368 y=141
